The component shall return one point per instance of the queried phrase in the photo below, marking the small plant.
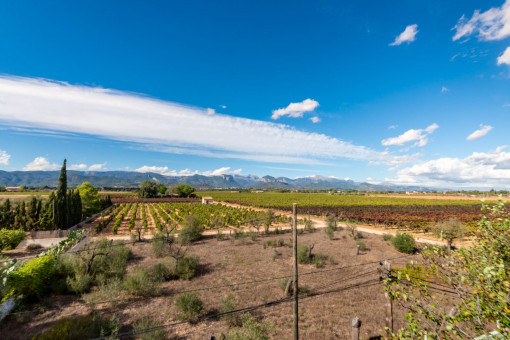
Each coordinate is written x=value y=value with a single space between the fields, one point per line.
x=304 y=254
x=140 y=283
x=387 y=237
x=404 y=243
x=191 y=231
x=319 y=260
x=220 y=236
x=159 y=246
x=269 y=243
x=304 y=290
x=82 y=327
x=362 y=245
x=251 y=329
x=132 y=239
x=80 y=283
x=330 y=233
x=189 y=305
x=229 y=304
x=280 y=242
x=309 y=226
x=160 y=272
x=34 y=246
x=186 y=267
x=276 y=254
x=147 y=323
x=253 y=236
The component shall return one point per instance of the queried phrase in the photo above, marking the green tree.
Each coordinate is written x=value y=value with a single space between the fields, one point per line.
x=184 y=190
x=90 y=199
x=61 y=218
x=478 y=278
x=449 y=231
x=161 y=189
x=148 y=189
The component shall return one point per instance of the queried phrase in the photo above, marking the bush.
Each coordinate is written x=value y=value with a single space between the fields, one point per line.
x=387 y=237
x=160 y=272
x=319 y=260
x=145 y=323
x=33 y=278
x=190 y=306
x=362 y=245
x=110 y=289
x=228 y=304
x=251 y=329
x=330 y=233
x=309 y=226
x=140 y=283
x=159 y=246
x=191 y=231
x=186 y=267
x=33 y=246
x=9 y=239
x=269 y=243
x=303 y=254
x=80 y=283
x=404 y=243
x=82 y=327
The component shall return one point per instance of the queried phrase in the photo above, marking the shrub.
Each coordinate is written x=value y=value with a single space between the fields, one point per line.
x=253 y=236
x=189 y=305
x=33 y=246
x=309 y=226
x=160 y=272
x=33 y=278
x=362 y=245
x=114 y=263
x=331 y=222
x=140 y=283
x=276 y=254
x=303 y=254
x=404 y=243
x=330 y=233
x=186 y=267
x=251 y=329
x=109 y=289
x=146 y=323
x=9 y=239
x=220 y=236
x=269 y=243
x=228 y=304
x=191 y=231
x=319 y=260
x=82 y=327
x=80 y=283
x=159 y=246
x=387 y=237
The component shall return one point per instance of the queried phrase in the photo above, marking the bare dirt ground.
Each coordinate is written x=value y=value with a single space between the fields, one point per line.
x=327 y=315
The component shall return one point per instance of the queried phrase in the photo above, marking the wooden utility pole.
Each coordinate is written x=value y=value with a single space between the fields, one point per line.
x=356 y=325
x=296 y=288
x=389 y=302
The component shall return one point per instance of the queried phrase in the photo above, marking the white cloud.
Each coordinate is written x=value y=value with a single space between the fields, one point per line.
x=392 y=127
x=223 y=106
x=505 y=57
x=369 y=179
x=96 y=167
x=483 y=170
x=444 y=89
x=296 y=110
x=493 y=24
x=315 y=119
x=482 y=131
x=166 y=126
x=77 y=166
x=4 y=157
x=40 y=164
x=210 y=111
x=409 y=35
x=163 y=170
x=418 y=135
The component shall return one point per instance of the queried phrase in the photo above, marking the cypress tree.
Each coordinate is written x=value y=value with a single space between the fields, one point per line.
x=61 y=216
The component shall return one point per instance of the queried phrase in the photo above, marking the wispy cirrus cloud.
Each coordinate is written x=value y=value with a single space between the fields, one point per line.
x=166 y=126
x=408 y=35
x=40 y=164
x=164 y=170
x=493 y=24
x=419 y=136
x=4 y=157
x=296 y=110
x=482 y=131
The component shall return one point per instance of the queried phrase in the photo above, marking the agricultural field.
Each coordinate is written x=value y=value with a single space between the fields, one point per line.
x=399 y=212
x=235 y=273
x=122 y=219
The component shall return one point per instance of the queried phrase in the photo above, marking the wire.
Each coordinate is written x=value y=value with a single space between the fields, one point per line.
x=246 y=309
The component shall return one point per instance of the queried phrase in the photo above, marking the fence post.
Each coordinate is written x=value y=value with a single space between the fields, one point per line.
x=389 y=302
x=357 y=249
x=287 y=287
x=296 y=287
x=356 y=325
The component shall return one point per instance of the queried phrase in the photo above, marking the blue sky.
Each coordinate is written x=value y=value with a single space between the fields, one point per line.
x=367 y=90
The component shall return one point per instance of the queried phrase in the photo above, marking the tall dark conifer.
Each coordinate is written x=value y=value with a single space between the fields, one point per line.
x=61 y=218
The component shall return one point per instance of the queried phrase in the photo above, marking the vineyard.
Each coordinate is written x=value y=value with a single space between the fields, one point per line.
x=122 y=218
x=400 y=212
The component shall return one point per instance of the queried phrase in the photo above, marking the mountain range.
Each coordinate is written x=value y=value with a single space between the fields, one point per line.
x=130 y=179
